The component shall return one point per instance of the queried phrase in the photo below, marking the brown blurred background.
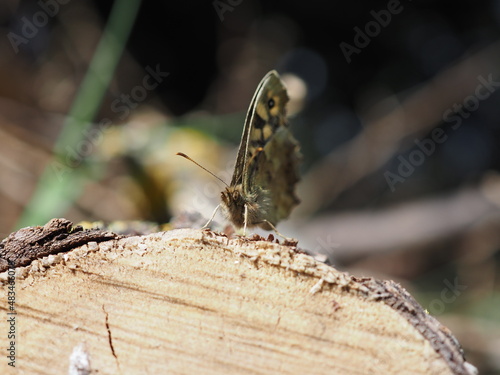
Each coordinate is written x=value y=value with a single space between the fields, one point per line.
x=396 y=106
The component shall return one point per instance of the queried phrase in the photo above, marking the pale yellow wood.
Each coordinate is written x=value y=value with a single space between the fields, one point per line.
x=190 y=302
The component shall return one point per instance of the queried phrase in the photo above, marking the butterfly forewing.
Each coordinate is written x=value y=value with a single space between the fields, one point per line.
x=242 y=158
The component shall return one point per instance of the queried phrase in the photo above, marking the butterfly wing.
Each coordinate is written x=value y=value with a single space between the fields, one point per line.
x=271 y=152
x=277 y=174
x=243 y=153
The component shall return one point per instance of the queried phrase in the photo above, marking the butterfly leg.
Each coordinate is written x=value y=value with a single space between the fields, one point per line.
x=245 y=221
x=213 y=215
x=277 y=232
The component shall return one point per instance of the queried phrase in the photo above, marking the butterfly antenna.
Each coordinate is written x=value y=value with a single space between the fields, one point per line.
x=202 y=167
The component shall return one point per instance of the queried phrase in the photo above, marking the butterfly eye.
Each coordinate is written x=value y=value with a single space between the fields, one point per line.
x=270 y=103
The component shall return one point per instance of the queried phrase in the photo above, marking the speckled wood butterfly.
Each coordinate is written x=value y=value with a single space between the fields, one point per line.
x=262 y=189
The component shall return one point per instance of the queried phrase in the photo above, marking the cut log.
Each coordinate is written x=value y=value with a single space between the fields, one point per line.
x=195 y=302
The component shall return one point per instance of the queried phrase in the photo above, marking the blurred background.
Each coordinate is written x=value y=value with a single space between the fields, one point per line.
x=396 y=105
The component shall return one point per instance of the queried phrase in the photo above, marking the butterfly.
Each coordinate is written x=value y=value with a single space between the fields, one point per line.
x=262 y=189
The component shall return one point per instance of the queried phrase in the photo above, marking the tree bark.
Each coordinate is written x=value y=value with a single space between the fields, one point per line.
x=195 y=302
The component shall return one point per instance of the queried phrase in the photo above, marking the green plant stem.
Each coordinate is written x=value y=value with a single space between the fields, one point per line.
x=61 y=183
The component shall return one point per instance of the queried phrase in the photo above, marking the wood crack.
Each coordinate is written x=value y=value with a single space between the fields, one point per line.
x=110 y=337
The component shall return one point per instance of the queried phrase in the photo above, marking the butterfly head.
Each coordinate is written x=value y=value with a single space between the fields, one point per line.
x=232 y=196
x=234 y=204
